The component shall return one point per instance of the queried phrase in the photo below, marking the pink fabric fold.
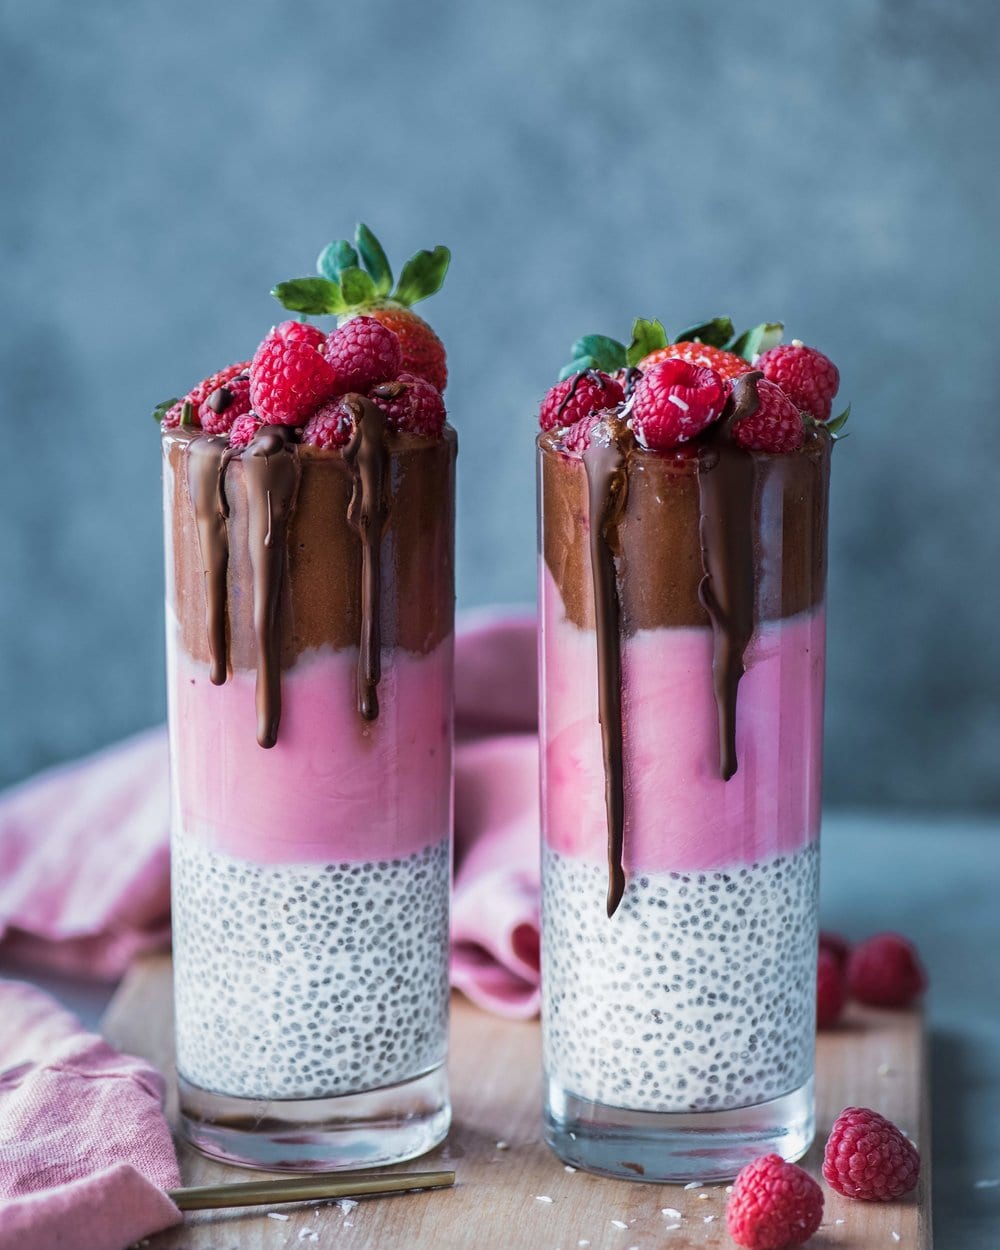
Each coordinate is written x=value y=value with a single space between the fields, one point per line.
x=84 y=865
x=85 y=1152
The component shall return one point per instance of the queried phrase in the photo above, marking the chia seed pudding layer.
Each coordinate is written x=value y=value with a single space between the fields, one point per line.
x=697 y=995
x=309 y=980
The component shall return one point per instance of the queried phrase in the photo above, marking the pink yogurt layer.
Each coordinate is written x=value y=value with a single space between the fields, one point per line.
x=679 y=814
x=334 y=788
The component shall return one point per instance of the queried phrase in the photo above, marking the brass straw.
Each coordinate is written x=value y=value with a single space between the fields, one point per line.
x=305 y=1188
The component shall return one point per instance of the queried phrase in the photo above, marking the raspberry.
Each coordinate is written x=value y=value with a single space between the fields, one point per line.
x=776 y=426
x=172 y=417
x=289 y=379
x=198 y=394
x=673 y=401
x=300 y=332
x=423 y=352
x=577 y=396
x=412 y=405
x=363 y=352
x=244 y=430
x=577 y=437
x=831 y=990
x=885 y=971
x=867 y=1157
x=225 y=405
x=808 y=378
x=773 y=1204
x=838 y=946
x=726 y=364
x=329 y=426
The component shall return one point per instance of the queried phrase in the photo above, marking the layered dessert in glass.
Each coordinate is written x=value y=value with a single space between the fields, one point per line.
x=683 y=513
x=309 y=519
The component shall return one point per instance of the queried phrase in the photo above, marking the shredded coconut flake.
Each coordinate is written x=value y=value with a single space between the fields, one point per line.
x=669 y=1228
x=543 y=1198
x=709 y=1219
x=271 y=1215
x=693 y=1185
x=502 y=1145
x=569 y=1168
x=679 y=403
x=895 y=1235
x=671 y=1213
x=618 y=1224
x=347 y=1204
x=583 y=1242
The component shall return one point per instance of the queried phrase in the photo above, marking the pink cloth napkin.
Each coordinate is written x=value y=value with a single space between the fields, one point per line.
x=84 y=868
x=85 y=1153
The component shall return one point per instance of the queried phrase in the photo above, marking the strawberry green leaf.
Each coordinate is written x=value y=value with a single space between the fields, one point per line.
x=311 y=295
x=187 y=413
x=334 y=258
x=577 y=365
x=751 y=343
x=837 y=423
x=357 y=286
x=161 y=409
x=647 y=336
x=422 y=275
x=606 y=354
x=374 y=259
x=716 y=333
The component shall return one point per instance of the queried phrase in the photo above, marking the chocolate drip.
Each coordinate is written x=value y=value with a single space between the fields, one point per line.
x=206 y=463
x=607 y=481
x=367 y=455
x=727 y=481
x=271 y=471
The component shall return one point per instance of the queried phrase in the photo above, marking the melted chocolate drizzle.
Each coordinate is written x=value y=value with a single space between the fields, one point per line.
x=727 y=486
x=206 y=464
x=271 y=470
x=367 y=455
x=607 y=479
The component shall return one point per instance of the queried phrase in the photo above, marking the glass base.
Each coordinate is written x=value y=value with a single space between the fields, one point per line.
x=676 y=1146
x=372 y=1129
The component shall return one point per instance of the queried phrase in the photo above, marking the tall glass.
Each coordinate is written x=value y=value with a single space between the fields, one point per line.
x=682 y=666
x=309 y=610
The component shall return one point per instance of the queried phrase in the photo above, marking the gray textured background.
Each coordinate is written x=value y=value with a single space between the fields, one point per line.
x=829 y=165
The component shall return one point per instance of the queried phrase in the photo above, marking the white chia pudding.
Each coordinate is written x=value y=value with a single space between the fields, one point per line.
x=309 y=980
x=699 y=994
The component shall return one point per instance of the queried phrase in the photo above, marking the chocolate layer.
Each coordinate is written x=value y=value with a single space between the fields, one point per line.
x=320 y=599
x=658 y=535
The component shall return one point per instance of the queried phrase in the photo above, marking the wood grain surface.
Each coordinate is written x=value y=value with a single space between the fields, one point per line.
x=511 y=1191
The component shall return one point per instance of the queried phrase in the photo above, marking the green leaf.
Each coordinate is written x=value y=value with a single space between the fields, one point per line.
x=607 y=354
x=357 y=286
x=647 y=336
x=752 y=342
x=716 y=333
x=578 y=365
x=161 y=409
x=311 y=295
x=837 y=423
x=334 y=258
x=374 y=259
x=422 y=275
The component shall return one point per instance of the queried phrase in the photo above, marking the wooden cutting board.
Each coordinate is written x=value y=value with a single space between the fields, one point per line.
x=511 y=1191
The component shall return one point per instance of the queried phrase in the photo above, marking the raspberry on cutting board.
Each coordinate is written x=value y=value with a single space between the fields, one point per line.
x=867 y=1157
x=773 y=1204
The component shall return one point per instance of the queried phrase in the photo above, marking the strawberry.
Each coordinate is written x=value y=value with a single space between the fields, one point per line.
x=356 y=279
x=726 y=364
